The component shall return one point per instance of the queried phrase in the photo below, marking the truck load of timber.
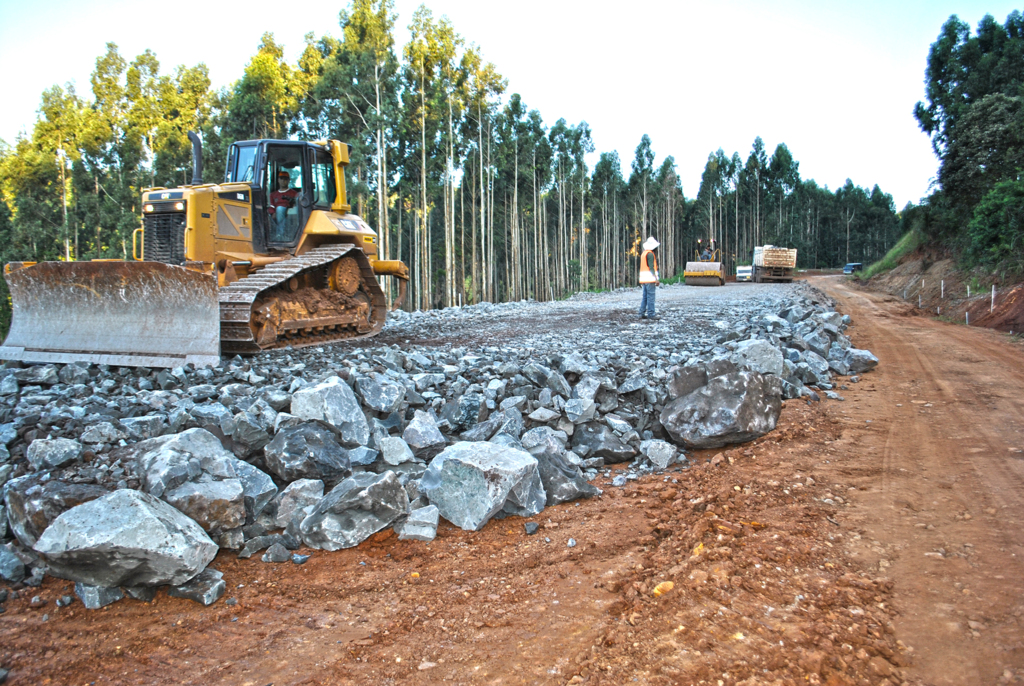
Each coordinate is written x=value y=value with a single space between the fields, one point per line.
x=269 y=257
x=772 y=263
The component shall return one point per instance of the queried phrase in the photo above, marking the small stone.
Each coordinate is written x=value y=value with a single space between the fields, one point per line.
x=142 y=593
x=37 y=602
x=619 y=480
x=95 y=597
x=205 y=588
x=571 y=543
x=65 y=600
x=231 y=602
x=276 y=553
x=531 y=528
x=300 y=559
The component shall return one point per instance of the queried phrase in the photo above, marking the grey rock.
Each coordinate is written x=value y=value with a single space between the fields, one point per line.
x=297 y=500
x=420 y=525
x=537 y=436
x=212 y=416
x=860 y=361
x=12 y=569
x=558 y=385
x=249 y=434
x=516 y=401
x=818 y=366
x=423 y=435
x=258 y=489
x=733 y=408
x=102 y=432
x=362 y=456
x=125 y=538
x=354 y=510
x=333 y=402
x=300 y=559
x=633 y=382
x=380 y=393
x=231 y=539
x=543 y=415
x=619 y=481
x=254 y=545
x=307 y=451
x=215 y=505
x=279 y=400
x=8 y=385
x=511 y=422
x=758 y=355
x=32 y=504
x=818 y=341
x=464 y=411
x=579 y=411
x=472 y=482
x=147 y=426
x=531 y=528
x=563 y=481
x=591 y=384
x=285 y=421
x=45 y=374
x=75 y=373
x=660 y=453
x=205 y=588
x=485 y=429
x=597 y=440
x=143 y=593
x=51 y=453
x=276 y=553
x=396 y=451
x=95 y=597
x=167 y=462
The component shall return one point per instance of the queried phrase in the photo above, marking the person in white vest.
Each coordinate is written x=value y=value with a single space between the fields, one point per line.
x=648 y=278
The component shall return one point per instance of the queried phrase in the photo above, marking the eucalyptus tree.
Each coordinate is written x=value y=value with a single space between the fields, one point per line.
x=263 y=102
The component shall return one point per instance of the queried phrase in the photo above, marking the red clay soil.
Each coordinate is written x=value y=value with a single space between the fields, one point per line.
x=872 y=541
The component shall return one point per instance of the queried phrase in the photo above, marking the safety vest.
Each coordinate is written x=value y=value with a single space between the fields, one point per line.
x=645 y=273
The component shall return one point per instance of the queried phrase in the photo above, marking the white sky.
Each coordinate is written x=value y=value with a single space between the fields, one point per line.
x=836 y=82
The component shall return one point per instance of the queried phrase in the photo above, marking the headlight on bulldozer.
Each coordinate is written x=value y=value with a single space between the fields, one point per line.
x=180 y=206
x=147 y=208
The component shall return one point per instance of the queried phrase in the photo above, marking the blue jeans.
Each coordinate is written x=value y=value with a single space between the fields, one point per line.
x=647 y=300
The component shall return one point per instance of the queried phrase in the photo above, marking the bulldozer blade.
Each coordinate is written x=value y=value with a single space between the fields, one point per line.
x=704 y=274
x=129 y=314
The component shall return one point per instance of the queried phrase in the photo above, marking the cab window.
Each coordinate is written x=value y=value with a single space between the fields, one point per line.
x=241 y=164
x=323 y=179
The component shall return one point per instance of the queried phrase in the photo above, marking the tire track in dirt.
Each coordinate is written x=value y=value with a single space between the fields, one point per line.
x=943 y=516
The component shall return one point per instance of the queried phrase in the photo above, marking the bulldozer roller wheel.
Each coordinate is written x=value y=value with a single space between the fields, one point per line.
x=345 y=276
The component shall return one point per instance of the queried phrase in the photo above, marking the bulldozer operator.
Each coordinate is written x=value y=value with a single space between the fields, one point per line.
x=281 y=200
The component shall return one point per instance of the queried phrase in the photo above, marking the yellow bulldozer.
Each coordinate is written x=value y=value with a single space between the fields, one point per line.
x=271 y=257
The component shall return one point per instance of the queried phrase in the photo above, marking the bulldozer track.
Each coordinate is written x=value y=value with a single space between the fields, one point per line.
x=237 y=300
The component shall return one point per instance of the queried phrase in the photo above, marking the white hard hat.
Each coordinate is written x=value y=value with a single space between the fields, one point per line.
x=651 y=243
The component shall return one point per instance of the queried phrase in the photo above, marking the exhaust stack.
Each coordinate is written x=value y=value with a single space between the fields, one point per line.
x=197 y=158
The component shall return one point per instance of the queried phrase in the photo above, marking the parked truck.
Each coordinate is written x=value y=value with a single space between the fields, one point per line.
x=772 y=263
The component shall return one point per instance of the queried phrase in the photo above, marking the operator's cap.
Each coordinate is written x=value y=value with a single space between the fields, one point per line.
x=284 y=174
x=651 y=243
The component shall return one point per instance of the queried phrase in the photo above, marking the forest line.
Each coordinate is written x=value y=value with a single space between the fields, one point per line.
x=463 y=181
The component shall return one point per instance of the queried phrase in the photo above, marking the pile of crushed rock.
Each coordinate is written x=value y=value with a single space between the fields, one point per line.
x=124 y=480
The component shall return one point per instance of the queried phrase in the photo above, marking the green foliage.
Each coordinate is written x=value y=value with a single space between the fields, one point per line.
x=974 y=115
x=997 y=228
x=908 y=243
x=472 y=189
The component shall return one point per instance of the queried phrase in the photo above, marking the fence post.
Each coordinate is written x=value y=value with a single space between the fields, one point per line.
x=992 y=306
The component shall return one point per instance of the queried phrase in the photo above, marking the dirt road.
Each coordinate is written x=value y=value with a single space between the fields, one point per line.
x=937 y=455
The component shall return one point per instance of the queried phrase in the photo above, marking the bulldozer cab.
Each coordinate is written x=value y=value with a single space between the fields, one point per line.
x=289 y=181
